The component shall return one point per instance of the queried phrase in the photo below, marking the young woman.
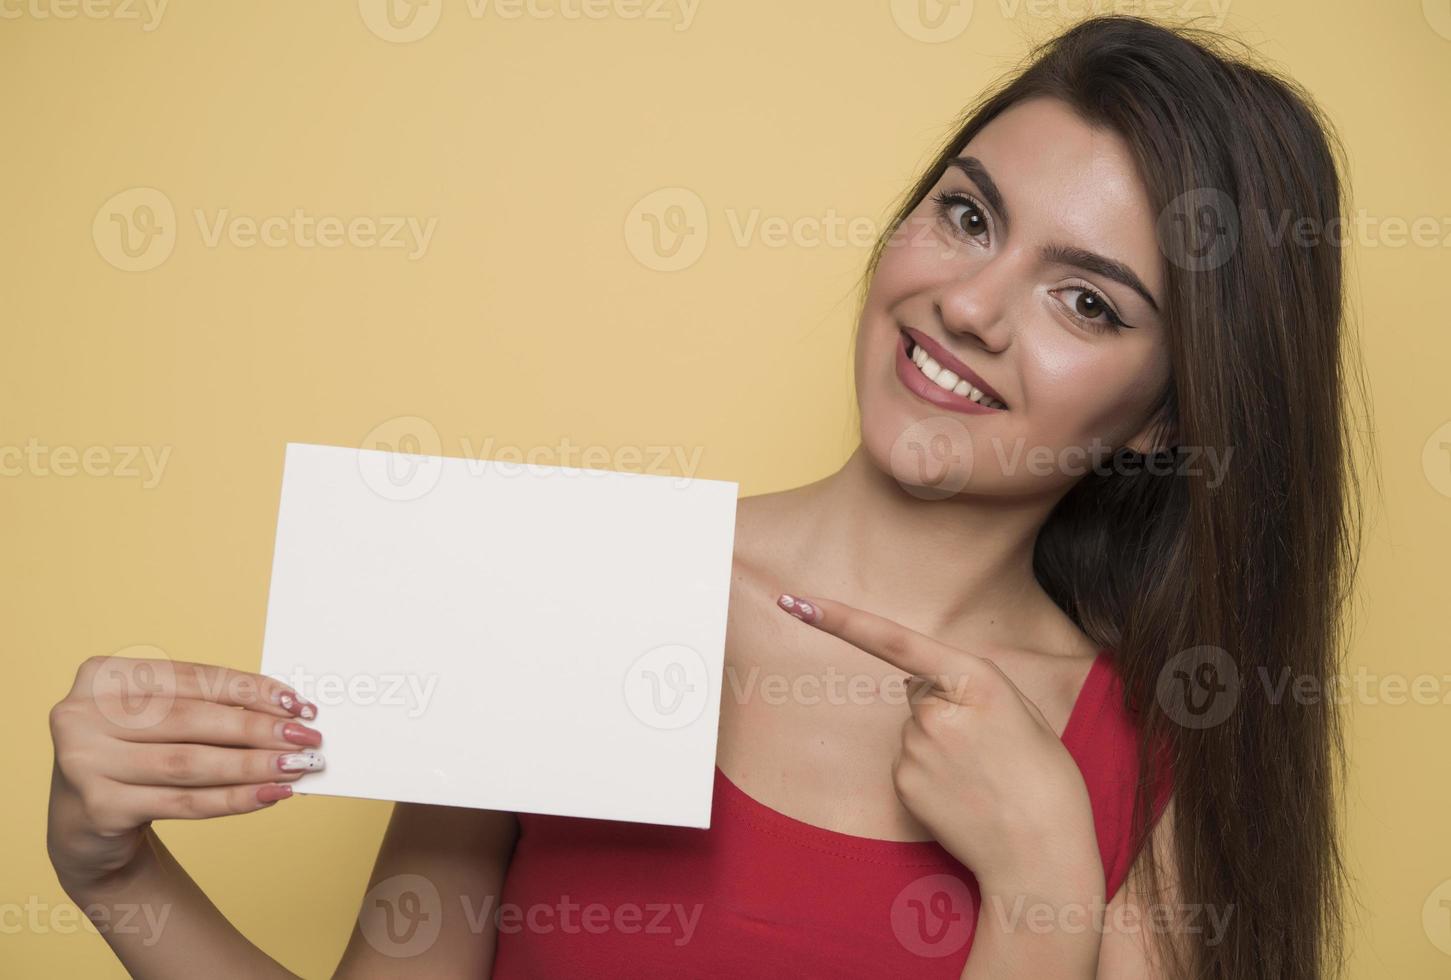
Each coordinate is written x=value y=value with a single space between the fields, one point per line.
x=1101 y=509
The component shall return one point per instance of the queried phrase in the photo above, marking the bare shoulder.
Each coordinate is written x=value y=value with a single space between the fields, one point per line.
x=762 y=519
x=760 y=563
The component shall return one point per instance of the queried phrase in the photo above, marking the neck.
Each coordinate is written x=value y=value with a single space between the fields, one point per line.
x=938 y=566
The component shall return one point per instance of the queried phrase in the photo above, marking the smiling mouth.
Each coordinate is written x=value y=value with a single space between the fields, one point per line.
x=951 y=385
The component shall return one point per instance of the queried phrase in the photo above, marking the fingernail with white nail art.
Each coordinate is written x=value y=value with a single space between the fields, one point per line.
x=301 y=761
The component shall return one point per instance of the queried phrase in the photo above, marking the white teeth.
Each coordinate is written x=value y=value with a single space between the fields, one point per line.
x=948 y=381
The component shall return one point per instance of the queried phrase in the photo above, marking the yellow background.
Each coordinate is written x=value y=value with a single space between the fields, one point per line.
x=531 y=317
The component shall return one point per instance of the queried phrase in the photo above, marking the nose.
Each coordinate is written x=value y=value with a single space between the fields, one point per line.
x=976 y=304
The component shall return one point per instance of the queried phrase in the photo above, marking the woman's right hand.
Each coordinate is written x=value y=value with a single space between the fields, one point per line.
x=138 y=740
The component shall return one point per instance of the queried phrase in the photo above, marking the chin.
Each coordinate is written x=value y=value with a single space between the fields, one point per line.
x=928 y=453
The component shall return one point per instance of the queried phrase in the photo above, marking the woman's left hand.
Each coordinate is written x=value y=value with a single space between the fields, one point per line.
x=979 y=765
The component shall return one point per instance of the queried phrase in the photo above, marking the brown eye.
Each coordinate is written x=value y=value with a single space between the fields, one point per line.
x=963 y=214
x=1088 y=306
x=972 y=221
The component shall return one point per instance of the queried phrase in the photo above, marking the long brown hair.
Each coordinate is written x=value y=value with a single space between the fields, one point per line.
x=1157 y=564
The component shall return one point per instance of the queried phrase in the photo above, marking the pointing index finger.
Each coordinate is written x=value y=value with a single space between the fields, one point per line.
x=903 y=648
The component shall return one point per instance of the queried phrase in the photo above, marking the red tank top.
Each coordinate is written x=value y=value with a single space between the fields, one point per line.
x=761 y=894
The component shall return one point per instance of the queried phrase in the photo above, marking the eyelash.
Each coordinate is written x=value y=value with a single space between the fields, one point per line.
x=1110 y=321
x=943 y=202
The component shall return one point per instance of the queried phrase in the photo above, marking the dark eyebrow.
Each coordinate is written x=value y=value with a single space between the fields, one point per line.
x=1080 y=258
x=1109 y=268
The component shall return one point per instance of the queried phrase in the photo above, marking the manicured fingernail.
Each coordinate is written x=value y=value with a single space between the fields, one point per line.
x=301 y=761
x=273 y=792
x=300 y=734
x=307 y=710
x=802 y=609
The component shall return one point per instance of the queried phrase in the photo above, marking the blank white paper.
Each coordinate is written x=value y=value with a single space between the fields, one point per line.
x=489 y=634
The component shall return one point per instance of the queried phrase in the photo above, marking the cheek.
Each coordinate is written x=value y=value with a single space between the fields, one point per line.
x=914 y=259
x=1101 y=389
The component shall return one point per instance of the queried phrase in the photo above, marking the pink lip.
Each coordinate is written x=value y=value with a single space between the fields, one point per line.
x=919 y=384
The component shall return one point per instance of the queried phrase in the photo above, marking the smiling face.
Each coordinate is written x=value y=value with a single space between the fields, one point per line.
x=1031 y=272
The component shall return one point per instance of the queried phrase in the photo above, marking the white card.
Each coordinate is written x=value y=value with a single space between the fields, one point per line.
x=514 y=637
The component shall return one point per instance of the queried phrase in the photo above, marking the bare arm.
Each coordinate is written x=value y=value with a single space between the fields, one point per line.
x=1062 y=927
x=175 y=926
x=1139 y=925
x=431 y=900
x=141 y=740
